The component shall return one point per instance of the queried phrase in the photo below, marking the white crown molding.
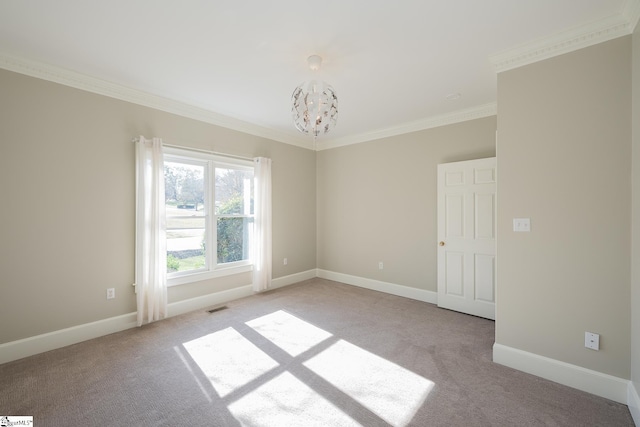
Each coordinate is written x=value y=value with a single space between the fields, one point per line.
x=102 y=87
x=473 y=113
x=631 y=13
x=575 y=38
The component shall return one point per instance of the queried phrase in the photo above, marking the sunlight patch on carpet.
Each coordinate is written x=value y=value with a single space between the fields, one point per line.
x=388 y=390
x=195 y=377
x=287 y=401
x=266 y=393
x=229 y=360
x=293 y=335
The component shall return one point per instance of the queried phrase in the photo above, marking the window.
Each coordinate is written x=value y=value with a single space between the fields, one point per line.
x=209 y=204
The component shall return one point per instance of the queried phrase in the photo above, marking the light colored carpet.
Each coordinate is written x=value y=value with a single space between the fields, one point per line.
x=318 y=353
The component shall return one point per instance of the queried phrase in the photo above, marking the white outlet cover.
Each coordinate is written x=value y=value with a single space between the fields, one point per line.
x=592 y=340
x=522 y=224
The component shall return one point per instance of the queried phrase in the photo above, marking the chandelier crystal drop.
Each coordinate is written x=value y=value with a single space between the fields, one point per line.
x=314 y=104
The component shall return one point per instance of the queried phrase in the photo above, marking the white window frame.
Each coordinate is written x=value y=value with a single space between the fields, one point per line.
x=212 y=269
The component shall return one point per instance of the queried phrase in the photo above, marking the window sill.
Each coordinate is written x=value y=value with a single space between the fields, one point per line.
x=206 y=275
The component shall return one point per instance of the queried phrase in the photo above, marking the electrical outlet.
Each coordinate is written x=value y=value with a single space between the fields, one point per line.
x=592 y=341
x=284 y=262
x=380 y=265
x=522 y=224
x=111 y=293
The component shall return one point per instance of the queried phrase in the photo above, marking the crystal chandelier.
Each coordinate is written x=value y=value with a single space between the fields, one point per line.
x=314 y=104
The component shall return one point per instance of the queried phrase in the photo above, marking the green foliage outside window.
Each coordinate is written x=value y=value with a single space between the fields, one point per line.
x=173 y=263
x=231 y=231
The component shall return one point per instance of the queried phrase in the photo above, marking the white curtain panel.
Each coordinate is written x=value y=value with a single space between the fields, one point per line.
x=262 y=242
x=151 y=253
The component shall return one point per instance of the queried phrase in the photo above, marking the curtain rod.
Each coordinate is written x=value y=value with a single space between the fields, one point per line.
x=136 y=139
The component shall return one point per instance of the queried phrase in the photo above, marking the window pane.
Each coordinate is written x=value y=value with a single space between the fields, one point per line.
x=233 y=239
x=185 y=244
x=234 y=192
x=185 y=214
x=183 y=189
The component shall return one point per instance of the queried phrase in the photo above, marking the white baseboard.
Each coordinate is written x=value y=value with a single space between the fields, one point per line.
x=293 y=278
x=633 y=402
x=18 y=349
x=376 y=285
x=205 y=301
x=50 y=341
x=593 y=382
x=15 y=350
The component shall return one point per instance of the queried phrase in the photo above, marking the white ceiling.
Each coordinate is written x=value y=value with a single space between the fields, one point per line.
x=236 y=62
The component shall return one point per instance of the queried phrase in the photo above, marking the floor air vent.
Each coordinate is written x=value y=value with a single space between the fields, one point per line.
x=214 y=309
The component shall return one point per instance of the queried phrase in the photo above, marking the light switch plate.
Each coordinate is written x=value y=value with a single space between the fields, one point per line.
x=521 y=224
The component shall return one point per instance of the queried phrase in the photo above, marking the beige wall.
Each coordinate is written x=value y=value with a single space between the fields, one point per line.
x=67 y=217
x=635 y=225
x=67 y=223
x=377 y=201
x=564 y=161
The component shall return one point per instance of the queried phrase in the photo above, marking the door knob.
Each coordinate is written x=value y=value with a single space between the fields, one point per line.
x=441 y=243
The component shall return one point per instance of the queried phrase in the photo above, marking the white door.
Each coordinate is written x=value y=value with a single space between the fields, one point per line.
x=467 y=236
